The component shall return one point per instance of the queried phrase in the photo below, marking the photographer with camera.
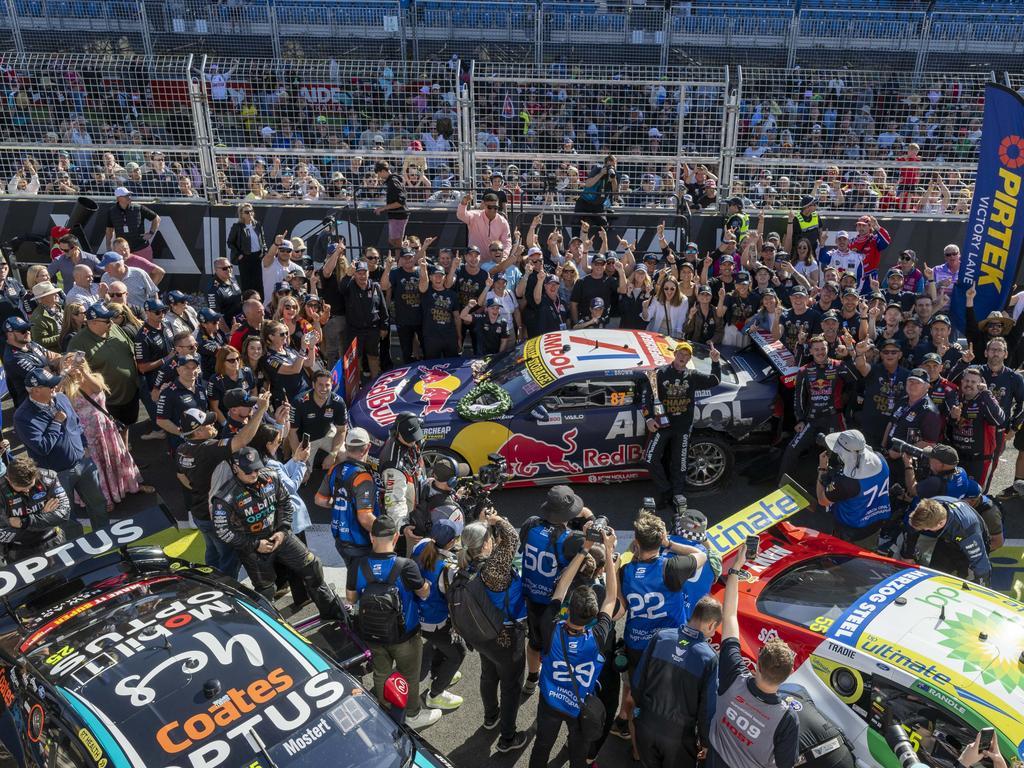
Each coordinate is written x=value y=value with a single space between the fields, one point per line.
x=962 y=538
x=600 y=184
x=435 y=498
x=944 y=478
x=677 y=385
x=856 y=491
x=547 y=547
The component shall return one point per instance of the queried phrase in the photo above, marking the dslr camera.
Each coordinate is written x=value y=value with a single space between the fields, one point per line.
x=903 y=447
x=597 y=529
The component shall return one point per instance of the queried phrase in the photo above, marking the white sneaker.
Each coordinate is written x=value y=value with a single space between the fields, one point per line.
x=456 y=677
x=445 y=700
x=425 y=718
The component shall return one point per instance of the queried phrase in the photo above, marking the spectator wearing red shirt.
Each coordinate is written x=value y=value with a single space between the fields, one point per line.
x=871 y=240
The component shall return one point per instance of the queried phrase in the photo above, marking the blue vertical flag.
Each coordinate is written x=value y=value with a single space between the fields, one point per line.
x=991 y=254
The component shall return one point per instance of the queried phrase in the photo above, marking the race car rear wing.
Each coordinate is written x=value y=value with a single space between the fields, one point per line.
x=728 y=536
x=131 y=530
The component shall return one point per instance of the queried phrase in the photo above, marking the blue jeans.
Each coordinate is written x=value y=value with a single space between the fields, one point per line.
x=219 y=555
x=84 y=478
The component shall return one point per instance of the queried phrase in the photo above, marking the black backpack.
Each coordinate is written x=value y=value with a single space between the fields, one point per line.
x=475 y=618
x=381 y=617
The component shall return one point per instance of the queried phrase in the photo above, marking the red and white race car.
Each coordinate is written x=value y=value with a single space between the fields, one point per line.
x=879 y=641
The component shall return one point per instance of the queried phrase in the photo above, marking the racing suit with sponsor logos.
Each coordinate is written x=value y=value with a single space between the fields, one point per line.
x=677 y=391
x=963 y=542
x=975 y=435
x=246 y=515
x=39 y=527
x=401 y=469
x=1007 y=386
x=818 y=405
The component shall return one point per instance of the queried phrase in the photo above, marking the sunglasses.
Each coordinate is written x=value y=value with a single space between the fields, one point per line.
x=891 y=352
x=372 y=258
x=231 y=359
x=279 y=333
x=116 y=293
x=221 y=269
x=905 y=258
x=158 y=311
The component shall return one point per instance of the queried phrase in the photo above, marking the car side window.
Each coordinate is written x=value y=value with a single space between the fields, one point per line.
x=938 y=735
x=588 y=394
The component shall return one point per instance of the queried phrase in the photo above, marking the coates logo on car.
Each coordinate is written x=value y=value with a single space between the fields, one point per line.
x=435 y=387
x=525 y=455
x=383 y=394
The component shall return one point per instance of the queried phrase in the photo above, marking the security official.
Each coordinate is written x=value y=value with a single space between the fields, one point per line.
x=735 y=219
x=857 y=492
x=33 y=507
x=677 y=387
x=353 y=493
x=253 y=513
x=572 y=661
x=547 y=546
x=807 y=222
x=752 y=726
x=401 y=466
x=674 y=689
x=963 y=541
x=197 y=458
x=822 y=744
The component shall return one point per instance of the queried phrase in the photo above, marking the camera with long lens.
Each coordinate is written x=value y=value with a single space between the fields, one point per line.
x=649 y=505
x=834 y=461
x=903 y=447
x=474 y=492
x=896 y=738
x=597 y=529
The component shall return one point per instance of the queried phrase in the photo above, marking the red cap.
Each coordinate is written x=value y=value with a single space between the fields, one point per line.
x=56 y=232
x=396 y=690
x=416 y=145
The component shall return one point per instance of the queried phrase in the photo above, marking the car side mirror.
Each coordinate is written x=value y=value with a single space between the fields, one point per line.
x=540 y=413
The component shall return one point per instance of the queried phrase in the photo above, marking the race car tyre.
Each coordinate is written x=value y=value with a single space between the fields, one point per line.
x=709 y=462
x=430 y=455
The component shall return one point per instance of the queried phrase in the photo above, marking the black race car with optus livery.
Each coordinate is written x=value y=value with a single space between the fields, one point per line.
x=119 y=656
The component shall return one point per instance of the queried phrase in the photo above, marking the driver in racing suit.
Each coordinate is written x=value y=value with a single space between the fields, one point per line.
x=252 y=512
x=976 y=433
x=677 y=385
x=33 y=506
x=963 y=540
x=817 y=400
x=401 y=467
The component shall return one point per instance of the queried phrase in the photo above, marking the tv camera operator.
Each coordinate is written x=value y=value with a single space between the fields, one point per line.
x=853 y=484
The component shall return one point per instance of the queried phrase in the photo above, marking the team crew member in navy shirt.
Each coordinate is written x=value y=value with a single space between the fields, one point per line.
x=187 y=392
x=490 y=333
x=402 y=286
x=405 y=654
x=439 y=306
x=572 y=659
x=22 y=355
x=321 y=414
x=752 y=726
x=857 y=494
x=675 y=689
x=33 y=510
x=49 y=428
x=547 y=546
x=963 y=539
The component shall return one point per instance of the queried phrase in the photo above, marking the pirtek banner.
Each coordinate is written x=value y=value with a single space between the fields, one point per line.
x=992 y=246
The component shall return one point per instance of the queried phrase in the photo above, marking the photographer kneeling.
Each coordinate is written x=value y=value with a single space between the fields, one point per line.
x=857 y=491
x=963 y=540
x=943 y=477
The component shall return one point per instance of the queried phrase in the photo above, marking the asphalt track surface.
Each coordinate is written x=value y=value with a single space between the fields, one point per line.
x=459 y=734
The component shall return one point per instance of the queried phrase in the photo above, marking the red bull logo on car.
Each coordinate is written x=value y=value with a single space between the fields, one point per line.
x=383 y=394
x=435 y=387
x=526 y=455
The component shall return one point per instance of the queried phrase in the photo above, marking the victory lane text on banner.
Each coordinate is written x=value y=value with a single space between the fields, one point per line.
x=991 y=254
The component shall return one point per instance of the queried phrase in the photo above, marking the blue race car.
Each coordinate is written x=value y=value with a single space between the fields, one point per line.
x=572 y=413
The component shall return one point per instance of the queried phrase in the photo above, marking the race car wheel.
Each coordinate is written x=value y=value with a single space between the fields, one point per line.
x=709 y=462
x=430 y=455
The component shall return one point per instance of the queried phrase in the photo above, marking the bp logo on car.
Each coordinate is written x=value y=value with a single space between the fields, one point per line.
x=987 y=644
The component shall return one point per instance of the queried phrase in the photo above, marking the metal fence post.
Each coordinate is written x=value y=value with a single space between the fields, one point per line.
x=414 y=15
x=666 y=31
x=275 y=32
x=19 y=44
x=538 y=31
x=203 y=127
x=730 y=130
x=794 y=36
x=921 y=61
x=467 y=129
x=400 y=15
x=147 y=40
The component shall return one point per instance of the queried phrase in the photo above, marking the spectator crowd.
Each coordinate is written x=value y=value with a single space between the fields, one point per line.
x=238 y=387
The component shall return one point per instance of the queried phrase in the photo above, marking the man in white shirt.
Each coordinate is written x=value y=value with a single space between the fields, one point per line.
x=277 y=265
x=140 y=285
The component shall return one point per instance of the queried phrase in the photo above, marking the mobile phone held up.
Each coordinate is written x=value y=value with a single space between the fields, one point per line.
x=305 y=440
x=752 y=544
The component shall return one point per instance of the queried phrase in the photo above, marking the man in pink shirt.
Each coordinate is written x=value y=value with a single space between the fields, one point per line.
x=485 y=224
x=156 y=273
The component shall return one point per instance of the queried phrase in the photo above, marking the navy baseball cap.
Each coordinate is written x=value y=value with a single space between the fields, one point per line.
x=99 y=311
x=176 y=297
x=831 y=315
x=110 y=257
x=40 y=377
x=186 y=359
x=597 y=303
x=208 y=315
x=16 y=323
x=248 y=460
x=237 y=398
x=155 y=305
x=283 y=287
x=798 y=291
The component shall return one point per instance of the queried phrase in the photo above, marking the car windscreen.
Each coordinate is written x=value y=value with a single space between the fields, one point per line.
x=819 y=590
x=354 y=733
x=508 y=371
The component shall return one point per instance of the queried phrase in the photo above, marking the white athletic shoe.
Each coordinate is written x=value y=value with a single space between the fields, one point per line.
x=445 y=700
x=425 y=718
